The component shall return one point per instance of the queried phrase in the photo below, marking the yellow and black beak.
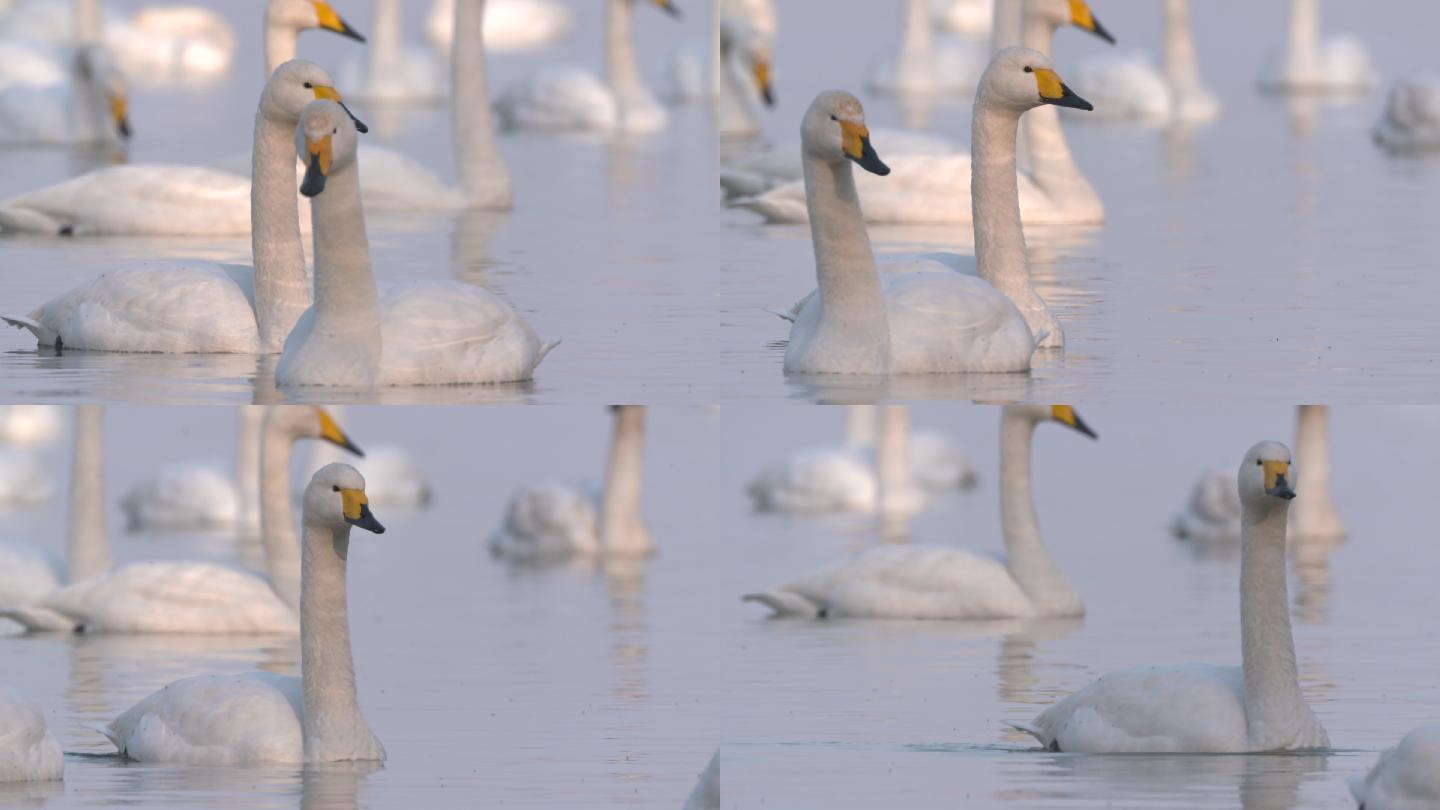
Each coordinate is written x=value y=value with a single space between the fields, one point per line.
x=1084 y=19
x=321 y=91
x=330 y=431
x=1277 y=475
x=317 y=169
x=357 y=511
x=761 y=73
x=1054 y=91
x=331 y=21
x=1066 y=415
x=855 y=141
x=668 y=7
x=119 y=113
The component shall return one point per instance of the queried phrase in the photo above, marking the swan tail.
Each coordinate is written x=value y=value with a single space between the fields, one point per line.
x=544 y=350
x=1034 y=731
x=42 y=335
x=1041 y=337
x=20 y=219
x=37 y=619
x=785 y=604
x=783 y=315
x=111 y=733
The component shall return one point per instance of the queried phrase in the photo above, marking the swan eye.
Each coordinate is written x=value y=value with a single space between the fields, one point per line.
x=336 y=487
x=335 y=131
x=1259 y=463
x=1029 y=69
x=833 y=118
x=309 y=86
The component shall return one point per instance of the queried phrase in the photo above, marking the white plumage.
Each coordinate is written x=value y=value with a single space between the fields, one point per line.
x=1212 y=514
x=23 y=480
x=28 y=752
x=1411 y=120
x=25 y=574
x=1337 y=66
x=27 y=425
x=1407 y=777
x=184 y=495
x=510 y=25
x=759 y=170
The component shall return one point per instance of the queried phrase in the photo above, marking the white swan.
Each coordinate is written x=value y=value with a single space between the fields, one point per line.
x=1197 y=708
x=925 y=66
x=168 y=45
x=1128 y=87
x=756 y=171
x=571 y=99
x=1407 y=777
x=89 y=109
x=1212 y=514
x=179 y=597
x=966 y=18
x=925 y=187
x=1314 y=516
x=260 y=716
x=393 y=477
x=745 y=77
x=29 y=425
x=1338 y=66
x=178 y=307
x=427 y=333
x=393 y=73
x=706 y=794
x=28 y=752
x=1411 y=121
x=509 y=25
x=197 y=495
x=937 y=582
x=23 y=480
x=552 y=522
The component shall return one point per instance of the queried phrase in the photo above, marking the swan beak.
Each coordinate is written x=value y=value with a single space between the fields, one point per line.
x=330 y=431
x=1054 y=91
x=118 y=112
x=318 y=168
x=321 y=91
x=331 y=21
x=357 y=511
x=1084 y=19
x=1277 y=474
x=761 y=72
x=1066 y=415
x=855 y=141
x=668 y=7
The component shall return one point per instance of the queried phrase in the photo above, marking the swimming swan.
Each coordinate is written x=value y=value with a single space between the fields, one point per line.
x=393 y=73
x=744 y=75
x=1405 y=777
x=925 y=66
x=571 y=99
x=552 y=522
x=88 y=110
x=1130 y=88
x=196 y=495
x=1411 y=121
x=927 y=185
x=187 y=306
x=260 y=716
x=180 y=596
x=28 y=752
x=509 y=25
x=1197 y=708
x=1338 y=66
x=940 y=582
x=427 y=333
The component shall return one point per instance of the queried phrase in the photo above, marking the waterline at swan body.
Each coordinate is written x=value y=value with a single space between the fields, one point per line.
x=936 y=582
x=28 y=752
x=1411 y=120
x=263 y=717
x=1197 y=708
x=1406 y=777
x=1337 y=66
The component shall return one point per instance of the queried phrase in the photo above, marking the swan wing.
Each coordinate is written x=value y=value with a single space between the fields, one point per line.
x=1405 y=776
x=187 y=495
x=175 y=597
x=952 y=322
x=558 y=99
x=215 y=720
x=817 y=480
x=1125 y=86
x=1212 y=514
x=28 y=752
x=547 y=522
x=440 y=333
x=23 y=64
x=156 y=200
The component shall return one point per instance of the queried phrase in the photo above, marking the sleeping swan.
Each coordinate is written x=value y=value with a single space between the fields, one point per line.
x=1198 y=708
x=264 y=717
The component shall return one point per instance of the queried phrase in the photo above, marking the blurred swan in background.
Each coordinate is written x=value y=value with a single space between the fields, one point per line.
x=695 y=75
x=28 y=752
x=1411 y=120
x=393 y=73
x=1337 y=66
x=1128 y=87
x=24 y=480
x=745 y=80
x=1212 y=515
x=966 y=18
x=509 y=25
x=942 y=582
x=925 y=66
x=393 y=477
x=1405 y=777
x=196 y=495
x=89 y=109
x=30 y=425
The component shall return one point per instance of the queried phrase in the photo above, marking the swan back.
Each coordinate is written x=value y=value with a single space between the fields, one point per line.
x=28 y=753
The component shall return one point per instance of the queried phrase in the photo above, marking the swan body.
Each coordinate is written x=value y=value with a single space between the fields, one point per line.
x=1128 y=87
x=263 y=717
x=1411 y=120
x=818 y=481
x=706 y=795
x=23 y=480
x=933 y=582
x=1407 y=777
x=510 y=25
x=145 y=200
x=758 y=171
x=29 y=425
x=25 y=574
x=968 y=18
x=393 y=478
x=165 y=45
x=28 y=752
x=1212 y=515
x=188 y=495
x=1337 y=66
x=1206 y=709
x=88 y=109
x=393 y=73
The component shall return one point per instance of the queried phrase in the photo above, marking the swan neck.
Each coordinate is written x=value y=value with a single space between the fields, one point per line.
x=87 y=551
x=483 y=175
x=1007 y=23
x=860 y=425
x=247 y=457
x=385 y=36
x=88 y=25
x=918 y=33
x=1182 y=69
x=621 y=68
x=716 y=57
x=1314 y=506
x=893 y=459
x=1045 y=152
x=280 y=41
x=347 y=304
x=332 y=721
x=1272 y=685
x=282 y=288
x=277 y=520
x=1000 y=253
x=622 y=524
x=1303 y=37
x=1029 y=561
x=851 y=297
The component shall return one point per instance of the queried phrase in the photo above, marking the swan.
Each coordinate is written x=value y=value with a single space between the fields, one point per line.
x=1314 y=516
x=758 y=170
x=924 y=66
x=706 y=795
x=1129 y=87
x=570 y=99
x=25 y=574
x=938 y=582
x=1338 y=66
x=393 y=73
x=427 y=333
x=509 y=25
x=691 y=80
x=23 y=480
x=1405 y=777
x=196 y=495
x=188 y=306
x=1411 y=121
x=30 y=425
x=28 y=752
x=1212 y=514
x=393 y=477
x=966 y=18
x=88 y=110
x=1197 y=708
x=925 y=187
x=552 y=522
x=260 y=716
x=179 y=597
x=745 y=73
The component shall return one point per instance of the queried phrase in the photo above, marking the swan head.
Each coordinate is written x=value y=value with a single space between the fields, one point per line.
x=325 y=140
x=834 y=130
x=739 y=40
x=309 y=422
x=95 y=67
x=1021 y=79
x=1057 y=13
x=1265 y=479
x=1063 y=414
x=336 y=499
x=294 y=85
x=302 y=15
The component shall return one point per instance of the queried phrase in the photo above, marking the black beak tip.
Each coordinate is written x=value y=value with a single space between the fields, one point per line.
x=123 y=127
x=768 y=96
x=314 y=183
x=672 y=9
x=1102 y=33
x=366 y=521
x=349 y=445
x=347 y=31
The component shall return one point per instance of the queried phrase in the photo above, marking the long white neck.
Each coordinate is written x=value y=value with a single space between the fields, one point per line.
x=1302 y=51
x=621 y=68
x=1182 y=69
x=347 y=304
x=280 y=42
x=1000 y=253
x=716 y=57
x=1272 y=685
x=87 y=551
x=1314 y=512
x=247 y=457
x=1050 y=163
x=1005 y=30
x=860 y=425
x=1030 y=563
x=282 y=288
x=277 y=519
x=334 y=728
x=386 y=39
x=88 y=26
x=852 y=301
x=918 y=35
x=893 y=460
x=483 y=174
x=622 y=525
